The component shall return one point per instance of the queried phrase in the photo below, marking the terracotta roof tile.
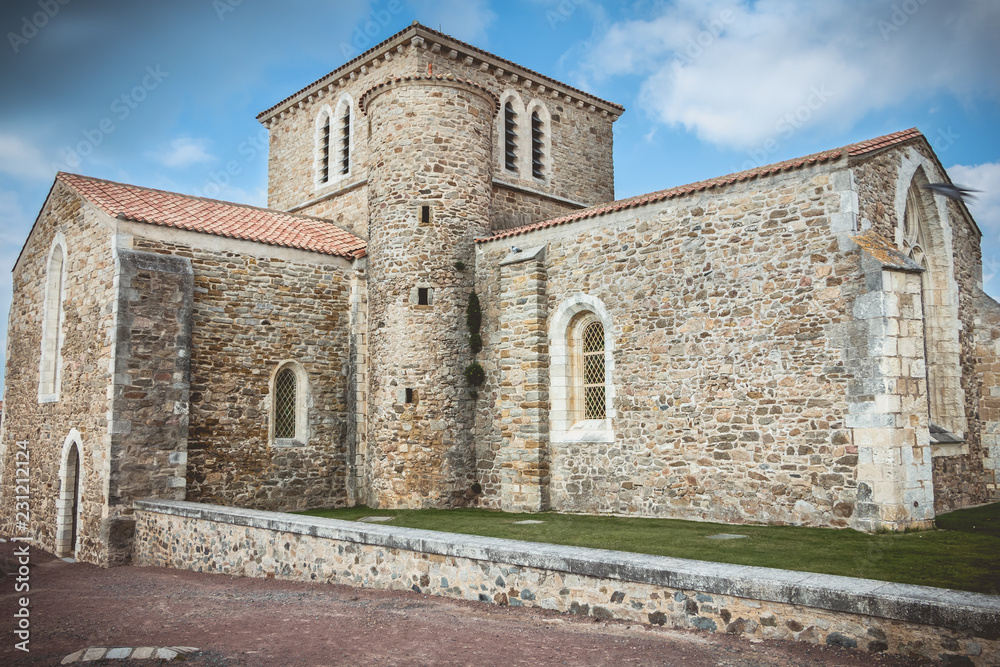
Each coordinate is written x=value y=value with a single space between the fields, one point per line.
x=210 y=216
x=852 y=150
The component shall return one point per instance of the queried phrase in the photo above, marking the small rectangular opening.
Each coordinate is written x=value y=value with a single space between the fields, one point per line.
x=423 y=296
x=425 y=215
x=410 y=395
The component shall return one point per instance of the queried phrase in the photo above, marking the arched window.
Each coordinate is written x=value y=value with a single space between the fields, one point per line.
x=68 y=500
x=925 y=237
x=324 y=148
x=344 y=141
x=343 y=123
x=541 y=140
x=581 y=368
x=284 y=404
x=510 y=138
x=289 y=405
x=537 y=144
x=324 y=124
x=49 y=366
x=591 y=376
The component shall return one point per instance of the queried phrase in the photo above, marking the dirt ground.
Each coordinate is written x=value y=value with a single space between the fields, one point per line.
x=238 y=621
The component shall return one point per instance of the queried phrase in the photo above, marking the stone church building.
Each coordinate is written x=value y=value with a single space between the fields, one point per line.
x=804 y=343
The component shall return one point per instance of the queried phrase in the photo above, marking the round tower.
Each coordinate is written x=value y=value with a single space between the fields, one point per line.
x=430 y=189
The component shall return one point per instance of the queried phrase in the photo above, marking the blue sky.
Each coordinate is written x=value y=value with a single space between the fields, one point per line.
x=165 y=94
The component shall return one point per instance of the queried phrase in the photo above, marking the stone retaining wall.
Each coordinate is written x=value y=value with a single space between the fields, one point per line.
x=952 y=626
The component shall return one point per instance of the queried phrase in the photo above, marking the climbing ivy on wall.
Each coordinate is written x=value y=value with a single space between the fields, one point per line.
x=474 y=372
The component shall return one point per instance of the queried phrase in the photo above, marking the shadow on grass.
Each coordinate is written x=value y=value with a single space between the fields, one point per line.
x=964 y=556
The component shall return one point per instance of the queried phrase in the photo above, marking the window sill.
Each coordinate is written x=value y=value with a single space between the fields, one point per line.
x=49 y=398
x=586 y=430
x=287 y=442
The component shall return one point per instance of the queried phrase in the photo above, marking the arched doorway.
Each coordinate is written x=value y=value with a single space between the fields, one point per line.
x=68 y=502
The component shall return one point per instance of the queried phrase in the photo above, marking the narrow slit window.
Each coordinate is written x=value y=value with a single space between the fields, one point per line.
x=345 y=141
x=510 y=137
x=411 y=395
x=284 y=404
x=593 y=371
x=324 y=151
x=537 y=138
x=52 y=325
x=423 y=296
x=425 y=215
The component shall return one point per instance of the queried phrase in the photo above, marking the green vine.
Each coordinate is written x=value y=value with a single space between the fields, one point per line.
x=474 y=372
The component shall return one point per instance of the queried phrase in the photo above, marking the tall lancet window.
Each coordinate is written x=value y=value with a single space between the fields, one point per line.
x=324 y=150
x=510 y=137
x=345 y=140
x=52 y=324
x=537 y=147
x=923 y=237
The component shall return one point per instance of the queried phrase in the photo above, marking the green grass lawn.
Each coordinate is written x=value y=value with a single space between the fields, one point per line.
x=963 y=553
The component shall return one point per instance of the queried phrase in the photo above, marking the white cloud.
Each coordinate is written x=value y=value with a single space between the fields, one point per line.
x=466 y=20
x=737 y=74
x=22 y=160
x=184 y=152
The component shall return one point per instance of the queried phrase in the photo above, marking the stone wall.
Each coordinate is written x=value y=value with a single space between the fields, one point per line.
x=872 y=616
x=255 y=307
x=513 y=207
x=988 y=370
x=882 y=181
x=149 y=396
x=431 y=139
x=730 y=318
x=86 y=353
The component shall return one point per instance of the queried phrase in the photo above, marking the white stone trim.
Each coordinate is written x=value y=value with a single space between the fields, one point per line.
x=517 y=106
x=325 y=112
x=69 y=485
x=537 y=106
x=53 y=316
x=303 y=402
x=940 y=292
x=335 y=179
x=564 y=427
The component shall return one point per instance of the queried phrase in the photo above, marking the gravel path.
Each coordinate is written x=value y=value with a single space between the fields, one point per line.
x=238 y=621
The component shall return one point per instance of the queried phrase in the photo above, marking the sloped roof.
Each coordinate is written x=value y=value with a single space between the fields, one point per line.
x=851 y=150
x=417 y=29
x=219 y=218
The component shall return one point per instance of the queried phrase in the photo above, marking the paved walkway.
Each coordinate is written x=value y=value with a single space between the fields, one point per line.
x=79 y=607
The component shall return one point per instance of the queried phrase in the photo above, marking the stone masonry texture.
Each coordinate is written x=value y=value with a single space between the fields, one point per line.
x=757 y=602
x=772 y=353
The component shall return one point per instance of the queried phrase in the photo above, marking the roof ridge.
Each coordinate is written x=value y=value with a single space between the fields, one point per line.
x=850 y=150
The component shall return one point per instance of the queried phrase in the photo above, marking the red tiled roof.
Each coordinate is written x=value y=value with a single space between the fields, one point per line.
x=852 y=150
x=413 y=28
x=210 y=216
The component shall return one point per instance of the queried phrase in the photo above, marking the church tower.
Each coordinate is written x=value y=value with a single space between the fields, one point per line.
x=429 y=197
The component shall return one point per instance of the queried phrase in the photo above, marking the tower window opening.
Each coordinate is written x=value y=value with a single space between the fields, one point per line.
x=324 y=152
x=423 y=296
x=425 y=215
x=411 y=395
x=510 y=137
x=537 y=168
x=345 y=141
